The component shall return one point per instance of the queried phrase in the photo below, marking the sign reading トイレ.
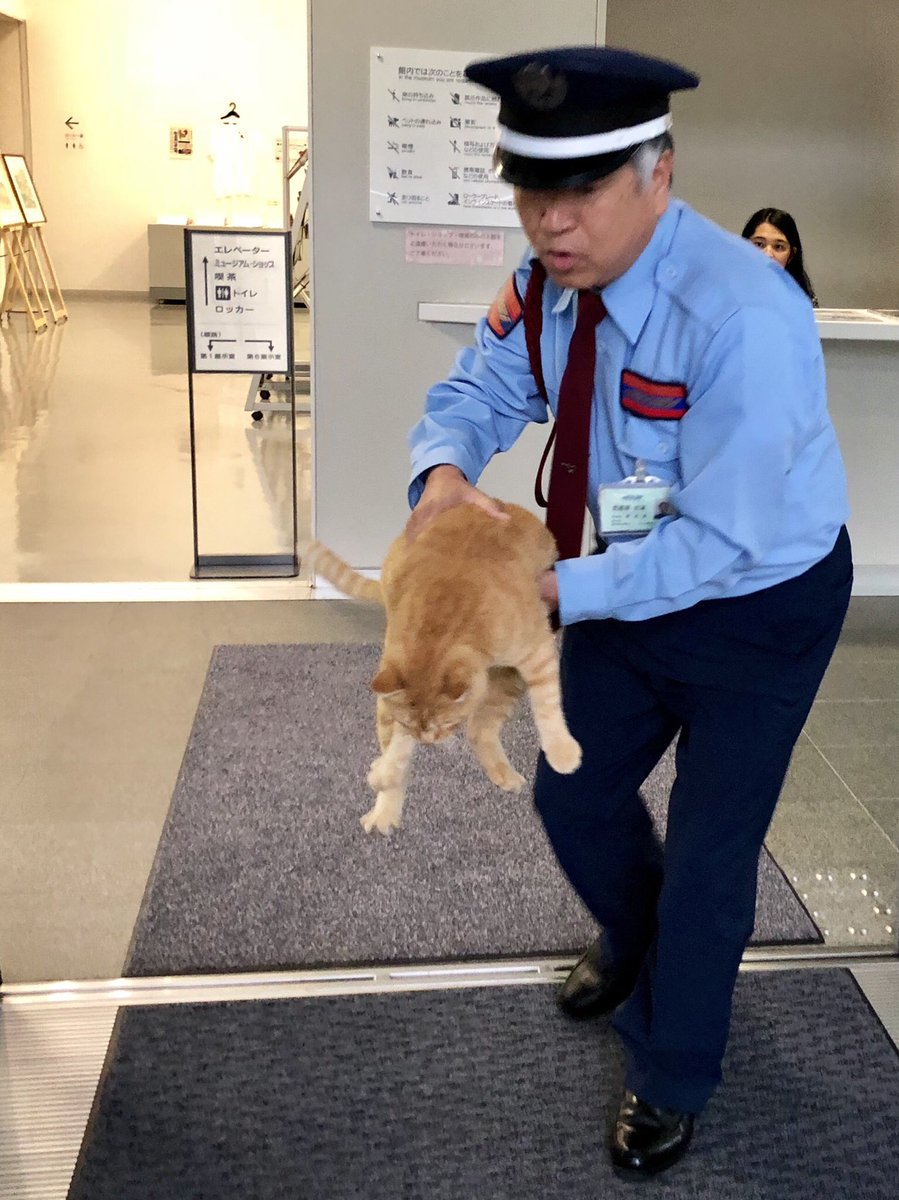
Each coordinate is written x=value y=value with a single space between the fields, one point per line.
x=239 y=300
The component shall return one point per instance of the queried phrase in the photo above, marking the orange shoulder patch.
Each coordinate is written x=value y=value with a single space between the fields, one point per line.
x=506 y=310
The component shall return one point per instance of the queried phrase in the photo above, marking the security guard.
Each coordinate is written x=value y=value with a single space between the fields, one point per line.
x=712 y=474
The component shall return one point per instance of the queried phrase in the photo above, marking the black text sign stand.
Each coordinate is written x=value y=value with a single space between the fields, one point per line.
x=240 y=322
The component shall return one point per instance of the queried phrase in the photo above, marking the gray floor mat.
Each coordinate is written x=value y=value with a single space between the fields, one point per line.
x=481 y=1092
x=262 y=863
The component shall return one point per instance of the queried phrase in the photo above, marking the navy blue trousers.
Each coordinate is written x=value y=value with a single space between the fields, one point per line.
x=735 y=678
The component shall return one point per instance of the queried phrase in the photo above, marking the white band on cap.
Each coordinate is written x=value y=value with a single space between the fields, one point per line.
x=582 y=147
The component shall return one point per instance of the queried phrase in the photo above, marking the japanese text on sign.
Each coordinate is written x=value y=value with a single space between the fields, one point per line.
x=240 y=306
x=431 y=142
x=455 y=247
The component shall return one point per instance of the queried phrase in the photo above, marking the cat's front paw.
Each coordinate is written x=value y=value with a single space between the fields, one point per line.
x=384 y=816
x=564 y=754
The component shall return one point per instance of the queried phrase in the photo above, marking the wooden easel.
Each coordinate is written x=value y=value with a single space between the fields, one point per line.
x=23 y=241
x=33 y=237
x=20 y=280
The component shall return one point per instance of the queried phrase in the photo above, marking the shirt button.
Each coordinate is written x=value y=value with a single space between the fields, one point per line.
x=663 y=446
x=671 y=272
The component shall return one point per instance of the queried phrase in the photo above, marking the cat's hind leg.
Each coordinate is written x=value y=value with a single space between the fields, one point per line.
x=387 y=778
x=540 y=670
x=504 y=688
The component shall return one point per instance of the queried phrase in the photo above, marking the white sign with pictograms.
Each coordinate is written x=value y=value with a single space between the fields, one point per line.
x=431 y=139
x=239 y=301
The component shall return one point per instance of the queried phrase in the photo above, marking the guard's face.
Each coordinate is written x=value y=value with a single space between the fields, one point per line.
x=588 y=236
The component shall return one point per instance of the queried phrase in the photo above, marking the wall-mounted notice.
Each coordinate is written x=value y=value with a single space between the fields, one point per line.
x=181 y=142
x=239 y=302
x=432 y=135
x=455 y=247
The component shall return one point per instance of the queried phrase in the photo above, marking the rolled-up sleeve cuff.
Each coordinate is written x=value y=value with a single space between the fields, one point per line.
x=581 y=593
x=450 y=458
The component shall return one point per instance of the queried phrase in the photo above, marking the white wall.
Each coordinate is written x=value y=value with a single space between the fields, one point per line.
x=15 y=8
x=127 y=70
x=372 y=359
x=798 y=108
x=14 y=131
x=13 y=87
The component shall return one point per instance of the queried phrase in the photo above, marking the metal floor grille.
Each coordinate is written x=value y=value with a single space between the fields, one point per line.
x=51 y=1062
x=54 y=1038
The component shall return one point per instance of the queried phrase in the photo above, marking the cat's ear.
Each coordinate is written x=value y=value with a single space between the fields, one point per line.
x=388 y=681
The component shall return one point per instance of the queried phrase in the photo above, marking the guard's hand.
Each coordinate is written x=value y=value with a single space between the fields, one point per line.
x=447 y=487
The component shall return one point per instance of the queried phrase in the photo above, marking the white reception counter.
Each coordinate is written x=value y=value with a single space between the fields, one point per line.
x=861 y=352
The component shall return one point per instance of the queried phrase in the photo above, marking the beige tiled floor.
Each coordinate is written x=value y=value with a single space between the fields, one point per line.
x=95 y=450
x=97 y=699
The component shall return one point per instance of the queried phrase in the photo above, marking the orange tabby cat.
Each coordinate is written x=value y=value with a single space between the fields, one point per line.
x=467 y=635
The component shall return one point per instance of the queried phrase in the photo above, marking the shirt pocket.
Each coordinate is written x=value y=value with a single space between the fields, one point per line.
x=643 y=438
x=651 y=412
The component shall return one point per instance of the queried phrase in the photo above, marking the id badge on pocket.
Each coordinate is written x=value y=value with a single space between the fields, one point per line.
x=634 y=505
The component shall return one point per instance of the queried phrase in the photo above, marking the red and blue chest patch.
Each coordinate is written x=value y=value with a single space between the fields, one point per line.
x=647 y=398
x=506 y=310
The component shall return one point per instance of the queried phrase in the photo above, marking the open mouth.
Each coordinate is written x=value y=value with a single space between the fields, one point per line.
x=559 y=260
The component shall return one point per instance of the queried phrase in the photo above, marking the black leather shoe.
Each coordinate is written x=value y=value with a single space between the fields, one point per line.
x=646 y=1140
x=596 y=985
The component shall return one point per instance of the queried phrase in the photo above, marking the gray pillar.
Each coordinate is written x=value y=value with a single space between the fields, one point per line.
x=372 y=359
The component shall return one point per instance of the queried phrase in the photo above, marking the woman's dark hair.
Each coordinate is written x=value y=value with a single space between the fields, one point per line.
x=784 y=222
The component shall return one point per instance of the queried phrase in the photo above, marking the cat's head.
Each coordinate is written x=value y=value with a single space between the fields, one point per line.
x=432 y=703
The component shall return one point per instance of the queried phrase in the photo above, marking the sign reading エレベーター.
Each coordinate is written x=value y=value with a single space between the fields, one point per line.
x=239 y=300
x=431 y=142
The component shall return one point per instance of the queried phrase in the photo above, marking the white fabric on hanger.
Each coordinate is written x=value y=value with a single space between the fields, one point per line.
x=233 y=161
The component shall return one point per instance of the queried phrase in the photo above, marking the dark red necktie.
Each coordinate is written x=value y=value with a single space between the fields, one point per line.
x=567 y=497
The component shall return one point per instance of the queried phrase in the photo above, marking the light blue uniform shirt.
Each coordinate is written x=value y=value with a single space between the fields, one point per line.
x=757 y=479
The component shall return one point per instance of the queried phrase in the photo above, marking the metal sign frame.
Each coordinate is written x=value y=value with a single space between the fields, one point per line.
x=214 y=362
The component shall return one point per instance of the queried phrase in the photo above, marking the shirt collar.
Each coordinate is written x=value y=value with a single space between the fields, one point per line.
x=629 y=298
x=563 y=301
x=565 y=294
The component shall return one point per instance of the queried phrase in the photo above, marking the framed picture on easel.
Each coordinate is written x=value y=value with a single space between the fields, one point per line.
x=24 y=188
x=30 y=275
x=10 y=212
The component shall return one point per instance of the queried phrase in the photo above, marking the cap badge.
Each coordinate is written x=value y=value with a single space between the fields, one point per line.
x=540 y=87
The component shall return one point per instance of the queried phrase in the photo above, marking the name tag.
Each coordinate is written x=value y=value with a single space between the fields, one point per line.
x=633 y=506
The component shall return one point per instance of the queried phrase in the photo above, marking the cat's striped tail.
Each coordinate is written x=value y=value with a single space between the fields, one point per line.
x=325 y=562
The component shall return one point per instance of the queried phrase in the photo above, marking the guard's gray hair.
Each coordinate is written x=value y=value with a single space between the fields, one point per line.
x=646 y=156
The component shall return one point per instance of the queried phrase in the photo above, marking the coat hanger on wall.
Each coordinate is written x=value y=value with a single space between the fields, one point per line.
x=232 y=112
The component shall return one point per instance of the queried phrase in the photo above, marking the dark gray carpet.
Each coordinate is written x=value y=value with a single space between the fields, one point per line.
x=486 y=1092
x=262 y=863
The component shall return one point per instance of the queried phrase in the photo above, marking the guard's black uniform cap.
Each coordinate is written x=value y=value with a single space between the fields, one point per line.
x=573 y=114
